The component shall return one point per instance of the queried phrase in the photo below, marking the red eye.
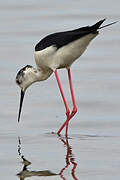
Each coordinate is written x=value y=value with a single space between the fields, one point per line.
x=17 y=81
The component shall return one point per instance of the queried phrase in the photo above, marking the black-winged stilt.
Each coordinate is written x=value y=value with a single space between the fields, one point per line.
x=56 y=51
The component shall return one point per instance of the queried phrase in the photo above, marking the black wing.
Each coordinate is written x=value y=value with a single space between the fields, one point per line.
x=63 y=38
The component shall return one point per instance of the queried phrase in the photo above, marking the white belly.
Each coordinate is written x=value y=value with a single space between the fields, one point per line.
x=63 y=57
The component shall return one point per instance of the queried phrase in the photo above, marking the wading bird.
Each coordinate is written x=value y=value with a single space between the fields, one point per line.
x=56 y=51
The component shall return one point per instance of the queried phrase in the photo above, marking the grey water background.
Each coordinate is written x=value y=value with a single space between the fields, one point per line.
x=94 y=133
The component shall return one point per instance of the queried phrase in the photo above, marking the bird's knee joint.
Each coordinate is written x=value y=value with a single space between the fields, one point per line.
x=68 y=112
x=74 y=110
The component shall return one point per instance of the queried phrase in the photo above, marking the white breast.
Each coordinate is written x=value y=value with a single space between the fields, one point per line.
x=63 y=57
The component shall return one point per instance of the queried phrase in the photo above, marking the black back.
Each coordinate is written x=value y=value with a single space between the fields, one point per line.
x=63 y=38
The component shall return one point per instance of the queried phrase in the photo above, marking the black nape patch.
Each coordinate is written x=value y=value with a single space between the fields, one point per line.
x=23 y=69
x=21 y=73
x=27 y=66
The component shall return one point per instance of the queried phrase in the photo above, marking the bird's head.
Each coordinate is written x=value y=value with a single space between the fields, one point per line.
x=25 y=77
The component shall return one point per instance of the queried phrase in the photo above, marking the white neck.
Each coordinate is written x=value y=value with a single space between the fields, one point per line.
x=32 y=75
x=42 y=75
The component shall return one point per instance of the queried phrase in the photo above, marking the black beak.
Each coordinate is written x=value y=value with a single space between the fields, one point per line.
x=21 y=102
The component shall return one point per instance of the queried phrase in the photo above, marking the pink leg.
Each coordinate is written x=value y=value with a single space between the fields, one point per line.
x=65 y=103
x=72 y=94
x=74 y=104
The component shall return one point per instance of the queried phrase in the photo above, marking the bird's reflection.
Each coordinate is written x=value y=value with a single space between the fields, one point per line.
x=69 y=159
x=25 y=173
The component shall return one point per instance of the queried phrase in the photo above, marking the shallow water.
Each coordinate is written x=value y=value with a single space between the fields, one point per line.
x=92 y=150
